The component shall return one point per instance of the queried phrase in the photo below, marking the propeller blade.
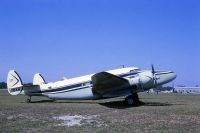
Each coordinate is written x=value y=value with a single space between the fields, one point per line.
x=152 y=68
x=155 y=81
x=154 y=76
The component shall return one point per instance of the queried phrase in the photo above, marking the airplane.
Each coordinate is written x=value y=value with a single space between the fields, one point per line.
x=126 y=82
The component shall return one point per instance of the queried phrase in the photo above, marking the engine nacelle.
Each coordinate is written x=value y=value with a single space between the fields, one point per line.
x=146 y=80
x=143 y=81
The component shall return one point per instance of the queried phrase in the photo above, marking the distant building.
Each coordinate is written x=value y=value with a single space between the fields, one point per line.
x=184 y=89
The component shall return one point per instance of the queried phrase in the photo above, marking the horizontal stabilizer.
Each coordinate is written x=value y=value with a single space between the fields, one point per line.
x=31 y=89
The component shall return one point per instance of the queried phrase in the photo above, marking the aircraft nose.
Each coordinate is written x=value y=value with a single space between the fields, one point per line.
x=171 y=76
x=165 y=77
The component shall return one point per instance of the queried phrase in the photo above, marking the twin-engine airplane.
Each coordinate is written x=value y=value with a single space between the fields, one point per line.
x=114 y=83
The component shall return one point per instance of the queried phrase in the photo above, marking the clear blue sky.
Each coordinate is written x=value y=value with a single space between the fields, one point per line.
x=75 y=37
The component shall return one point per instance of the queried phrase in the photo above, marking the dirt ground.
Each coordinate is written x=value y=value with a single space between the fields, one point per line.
x=157 y=113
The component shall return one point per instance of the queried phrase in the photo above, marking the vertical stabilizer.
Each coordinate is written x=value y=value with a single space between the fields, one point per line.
x=38 y=79
x=14 y=83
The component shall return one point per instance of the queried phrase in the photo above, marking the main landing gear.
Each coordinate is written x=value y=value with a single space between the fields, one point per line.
x=28 y=100
x=132 y=99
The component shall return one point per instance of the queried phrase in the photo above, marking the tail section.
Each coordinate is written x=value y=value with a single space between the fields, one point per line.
x=14 y=83
x=38 y=79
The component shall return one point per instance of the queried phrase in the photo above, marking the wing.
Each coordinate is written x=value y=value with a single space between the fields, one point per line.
x=104 y=82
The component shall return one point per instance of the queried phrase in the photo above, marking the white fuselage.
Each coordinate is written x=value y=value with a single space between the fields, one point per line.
x=82 y=87
x=79 y=87
x=106 y=84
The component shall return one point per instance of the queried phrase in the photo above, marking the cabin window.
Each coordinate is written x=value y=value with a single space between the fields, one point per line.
x=86 y=84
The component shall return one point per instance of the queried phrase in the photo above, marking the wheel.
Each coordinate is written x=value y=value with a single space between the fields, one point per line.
x=132 y=99
x=28 y=100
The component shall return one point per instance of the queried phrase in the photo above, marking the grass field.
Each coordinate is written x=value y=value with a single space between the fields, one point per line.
x=158 y=113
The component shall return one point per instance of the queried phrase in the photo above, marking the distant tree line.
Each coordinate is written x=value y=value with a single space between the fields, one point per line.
x=3 y=85
x=161 y=88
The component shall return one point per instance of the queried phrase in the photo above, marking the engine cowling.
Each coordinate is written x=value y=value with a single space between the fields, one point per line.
x=146 y=80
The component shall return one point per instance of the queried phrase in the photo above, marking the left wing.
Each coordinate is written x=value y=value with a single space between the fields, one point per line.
x=105 y=82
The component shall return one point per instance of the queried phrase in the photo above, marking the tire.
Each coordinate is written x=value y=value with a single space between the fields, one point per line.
x=132 y=99
x=28 y=100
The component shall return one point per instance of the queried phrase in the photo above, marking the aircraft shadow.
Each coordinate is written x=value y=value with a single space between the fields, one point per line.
x=43 y=101
x=123 y=105
x=64 y=101
x=111 y=104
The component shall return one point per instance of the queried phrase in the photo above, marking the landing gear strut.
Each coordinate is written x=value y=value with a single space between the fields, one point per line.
x=132 y=99
x=28 y=100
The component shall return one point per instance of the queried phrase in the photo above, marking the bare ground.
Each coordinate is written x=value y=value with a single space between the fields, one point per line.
x=156 y=113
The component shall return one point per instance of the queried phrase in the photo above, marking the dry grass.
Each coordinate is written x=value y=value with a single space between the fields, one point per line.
x=158 y=113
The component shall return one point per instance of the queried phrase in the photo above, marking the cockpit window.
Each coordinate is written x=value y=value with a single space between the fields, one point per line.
x=134 y=70
x=137 y=70
x=131 y=71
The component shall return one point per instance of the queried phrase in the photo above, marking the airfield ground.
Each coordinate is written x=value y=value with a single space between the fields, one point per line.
x=157 y=113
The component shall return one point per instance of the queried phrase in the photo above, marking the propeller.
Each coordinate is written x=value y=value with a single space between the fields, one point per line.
x=154 y=75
